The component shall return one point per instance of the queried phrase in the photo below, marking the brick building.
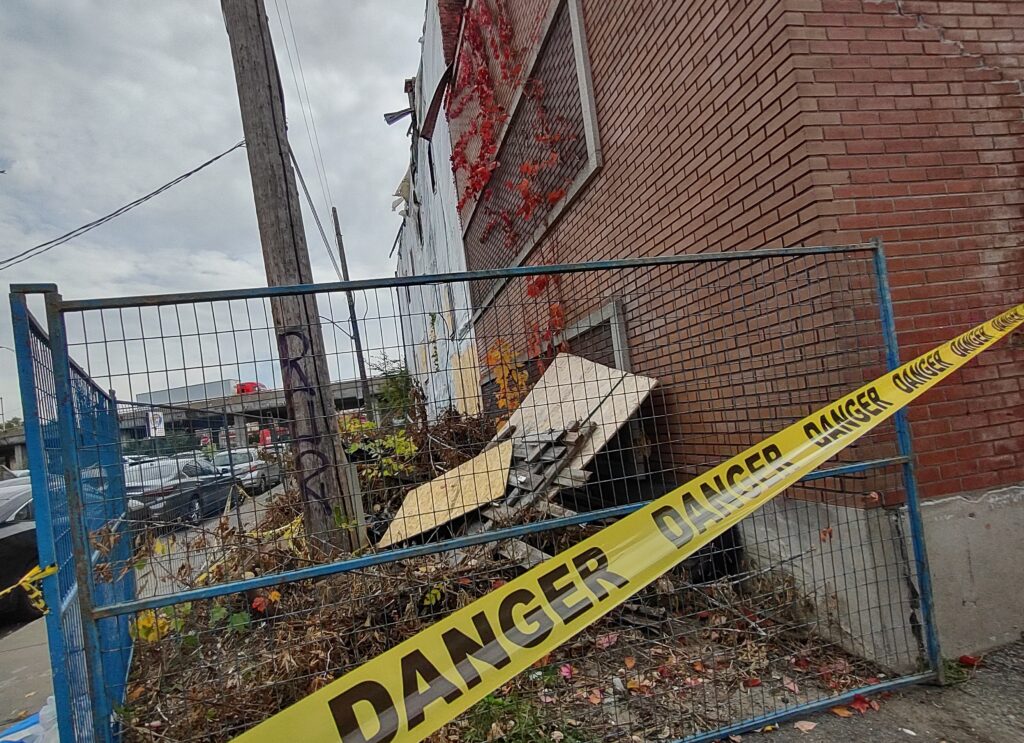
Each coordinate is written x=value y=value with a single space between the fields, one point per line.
x=584 y=130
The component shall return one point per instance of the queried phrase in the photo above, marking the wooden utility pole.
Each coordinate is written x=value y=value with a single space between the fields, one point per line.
x=332 y=509
x=357 y=340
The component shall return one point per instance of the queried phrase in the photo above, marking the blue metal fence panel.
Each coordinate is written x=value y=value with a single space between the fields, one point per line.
x=93 y=414
x=79 y=475
x=53 y=539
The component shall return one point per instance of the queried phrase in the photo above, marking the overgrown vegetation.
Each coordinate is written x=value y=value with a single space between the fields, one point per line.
x=397 y=395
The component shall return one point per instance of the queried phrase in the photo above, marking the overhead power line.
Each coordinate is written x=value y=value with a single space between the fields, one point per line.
x=305 y=104
x=44 y=247
x=316 y=218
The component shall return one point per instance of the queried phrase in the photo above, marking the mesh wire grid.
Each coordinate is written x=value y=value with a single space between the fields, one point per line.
x=465 y=475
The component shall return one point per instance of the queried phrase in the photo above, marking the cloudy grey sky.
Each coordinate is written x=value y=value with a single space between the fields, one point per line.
x=104 y=101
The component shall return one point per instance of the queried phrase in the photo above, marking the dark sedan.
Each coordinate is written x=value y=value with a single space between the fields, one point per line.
x=17 y=544
x=168 y=491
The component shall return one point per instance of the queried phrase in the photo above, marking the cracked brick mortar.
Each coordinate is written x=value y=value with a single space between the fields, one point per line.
x=944 y=38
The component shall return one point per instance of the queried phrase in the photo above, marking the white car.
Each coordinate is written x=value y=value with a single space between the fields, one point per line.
x=255 y=473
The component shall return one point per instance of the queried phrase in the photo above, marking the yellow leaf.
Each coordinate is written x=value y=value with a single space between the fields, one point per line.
x=274 y=596
x=159 y=547
x=841 y=712
x=630 y=662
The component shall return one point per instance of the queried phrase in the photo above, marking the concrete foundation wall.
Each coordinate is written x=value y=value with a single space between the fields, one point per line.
x=975 y=550
x=853 y=566
x=859 y=579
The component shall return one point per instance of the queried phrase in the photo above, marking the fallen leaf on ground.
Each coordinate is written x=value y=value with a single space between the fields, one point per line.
x=566 y=671
x=697 y=666
x=970 y=661
x=735 y=738
x=751 y=682
x=860 y=703
x=790 y=684
x=546 y=698
x=606 y=641
x=630 y=662
x=557 y=735
x=596 y=696
x=805 y=726
x=841 y=711
x=826 y=534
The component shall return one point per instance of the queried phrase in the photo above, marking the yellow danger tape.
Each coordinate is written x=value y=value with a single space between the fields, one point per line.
x=28 y=584
x=415 y=688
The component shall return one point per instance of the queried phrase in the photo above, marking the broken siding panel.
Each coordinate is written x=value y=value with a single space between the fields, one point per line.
x=437 y=317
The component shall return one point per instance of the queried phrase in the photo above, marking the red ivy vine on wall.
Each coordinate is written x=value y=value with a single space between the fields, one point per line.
x=489 y=41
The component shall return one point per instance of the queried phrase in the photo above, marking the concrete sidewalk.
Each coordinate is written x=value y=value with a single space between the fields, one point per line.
x=24 y=672
x=989 y=708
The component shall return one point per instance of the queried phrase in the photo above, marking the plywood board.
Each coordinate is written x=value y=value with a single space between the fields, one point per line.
x=469 y=486
x=575 y=389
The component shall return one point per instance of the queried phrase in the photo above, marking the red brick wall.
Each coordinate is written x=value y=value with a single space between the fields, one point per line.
x=916 y=109
x=737 y=124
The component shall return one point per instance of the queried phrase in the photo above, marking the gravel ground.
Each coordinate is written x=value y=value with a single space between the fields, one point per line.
x=988 y=708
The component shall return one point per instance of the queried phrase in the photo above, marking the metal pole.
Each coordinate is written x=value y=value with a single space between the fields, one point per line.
x=357 y=340
x=68 y=430
x=906 y=450
x=41 y=500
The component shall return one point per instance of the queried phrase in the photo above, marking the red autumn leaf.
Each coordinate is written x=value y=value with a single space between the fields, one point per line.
x=697 y=666
x=860 y=703
x=259 y=604
x=498 y=582
x=535 y=285
x=969 y=661
x=750 y=683
x=555 y=196
x=556 y=315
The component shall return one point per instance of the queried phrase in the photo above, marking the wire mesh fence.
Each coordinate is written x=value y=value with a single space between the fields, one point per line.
x=277 y=529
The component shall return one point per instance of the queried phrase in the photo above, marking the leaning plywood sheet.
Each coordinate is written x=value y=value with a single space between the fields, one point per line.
x=575 y=389
x=472 y=484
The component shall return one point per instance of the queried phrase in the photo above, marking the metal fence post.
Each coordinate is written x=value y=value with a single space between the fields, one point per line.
x=27 y=382
x=101 y=716
x=905 y=448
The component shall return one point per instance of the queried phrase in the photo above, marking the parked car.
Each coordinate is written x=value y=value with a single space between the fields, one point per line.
x=17 y=545
x=189 y=456
x=170 y=490
x=256 y=473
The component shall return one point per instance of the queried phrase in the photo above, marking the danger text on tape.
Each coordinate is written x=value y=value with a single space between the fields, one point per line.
x=413 y=689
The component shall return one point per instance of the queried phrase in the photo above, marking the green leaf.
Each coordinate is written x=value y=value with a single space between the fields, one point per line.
x=217 y=614
x=239 y=621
